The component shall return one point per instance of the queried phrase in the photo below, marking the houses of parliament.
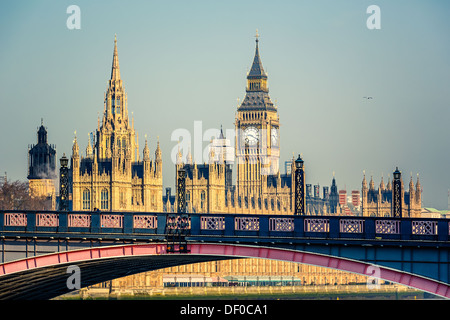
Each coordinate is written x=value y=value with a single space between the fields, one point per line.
x=113 y=174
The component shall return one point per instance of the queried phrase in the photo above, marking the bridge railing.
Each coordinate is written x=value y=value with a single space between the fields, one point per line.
x=227 y=225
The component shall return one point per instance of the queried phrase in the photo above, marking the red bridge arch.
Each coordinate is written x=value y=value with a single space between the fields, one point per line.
x=135 y=258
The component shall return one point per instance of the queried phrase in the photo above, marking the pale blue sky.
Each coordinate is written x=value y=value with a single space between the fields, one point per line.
x=186 y=61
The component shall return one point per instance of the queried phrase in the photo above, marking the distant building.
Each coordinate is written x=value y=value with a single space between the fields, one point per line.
x=342 y=197
x=42 y=168
x=378 y=202
x=356 y=198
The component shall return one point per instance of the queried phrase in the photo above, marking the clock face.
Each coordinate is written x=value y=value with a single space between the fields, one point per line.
x=274 y=136
x=251 y=136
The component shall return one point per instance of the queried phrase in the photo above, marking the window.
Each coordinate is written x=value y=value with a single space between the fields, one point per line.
x=104 y=203
x=202 y=198
x=122 y=200
x=86 y=199
x=188 y=200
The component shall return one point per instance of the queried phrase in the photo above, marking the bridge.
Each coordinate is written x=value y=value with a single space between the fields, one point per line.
x=39 y=247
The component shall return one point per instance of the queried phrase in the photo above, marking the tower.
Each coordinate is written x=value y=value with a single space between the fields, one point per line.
x=116 y=130
x=257 y=133
x=42 y=167
x=111 y=177
x=334 y=196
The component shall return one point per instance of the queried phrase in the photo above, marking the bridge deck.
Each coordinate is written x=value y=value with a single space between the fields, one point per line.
x=416 y=250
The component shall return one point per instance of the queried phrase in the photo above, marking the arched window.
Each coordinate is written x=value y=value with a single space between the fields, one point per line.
x=104 y=199
x=86 y=199
x=188 y=200
x=202 y=200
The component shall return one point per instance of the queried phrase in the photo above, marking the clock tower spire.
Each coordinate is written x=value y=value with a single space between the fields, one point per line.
x=257 y=133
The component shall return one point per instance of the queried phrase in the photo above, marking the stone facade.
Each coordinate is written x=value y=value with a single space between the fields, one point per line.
x=111 y=176
x=260 y=187
x=378 y=202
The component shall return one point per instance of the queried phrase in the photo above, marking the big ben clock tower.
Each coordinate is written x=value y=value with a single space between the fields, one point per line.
x=257 y=133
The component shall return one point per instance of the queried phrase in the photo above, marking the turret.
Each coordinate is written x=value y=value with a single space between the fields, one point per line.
x=158 y=160
x=75 y=161
x=418 y=192
x=146 y=151
x=412 y=196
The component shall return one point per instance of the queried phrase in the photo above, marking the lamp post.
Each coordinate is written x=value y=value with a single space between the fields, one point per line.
x=178 y=224
x=64 y=184
x=397 y=194
x=299 y=208
x=181 y=191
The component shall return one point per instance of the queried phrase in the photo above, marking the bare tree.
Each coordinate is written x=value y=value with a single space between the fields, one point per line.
x=15 y=195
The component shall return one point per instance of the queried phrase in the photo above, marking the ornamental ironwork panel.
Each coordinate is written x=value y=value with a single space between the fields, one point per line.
x=387 y=226
x=281 y=224
x=80 y=220
x=212 y=223
x=424 y=227
x=351 y=226
x=317 y=225
x=47 y=220
x=111 y=221
x=246 y=224
x=15 y=219
x=145 y=222
x=178 y=222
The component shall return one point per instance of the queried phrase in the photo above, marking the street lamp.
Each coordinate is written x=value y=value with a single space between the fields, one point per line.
x=397 y=194
x=64 y=184
x=181 y=191
x=299 y=208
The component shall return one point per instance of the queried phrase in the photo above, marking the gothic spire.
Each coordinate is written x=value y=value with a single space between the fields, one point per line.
x=371 y=184
x=146 y=150
x=364 y=182
x=257 y=70
x=75 y=147
x=115 y=70
x=158 y=154
x=257 y=96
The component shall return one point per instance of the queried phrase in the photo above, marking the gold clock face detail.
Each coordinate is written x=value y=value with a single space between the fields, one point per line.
x=251 y=136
